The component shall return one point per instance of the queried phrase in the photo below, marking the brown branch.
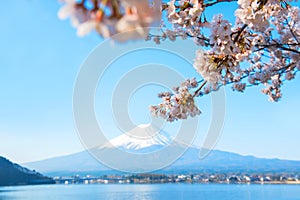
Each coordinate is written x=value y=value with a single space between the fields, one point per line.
x=218 y=1
x=239 y=33
x=199 y=89
x=288 y=49
x=165 y=5
x=280 y=71
x=292 y=32
x=280 y=46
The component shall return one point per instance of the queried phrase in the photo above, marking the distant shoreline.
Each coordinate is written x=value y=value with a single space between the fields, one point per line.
x=283 y=183
x=153 y=183
x=283 y=179
x=198 y=183
x=185 y=183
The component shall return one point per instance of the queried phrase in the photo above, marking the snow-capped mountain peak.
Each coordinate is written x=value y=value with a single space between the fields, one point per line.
x=141 y=137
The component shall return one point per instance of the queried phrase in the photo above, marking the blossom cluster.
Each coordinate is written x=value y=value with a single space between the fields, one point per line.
x=261 y=47
x=109 y=17
x=177 y=105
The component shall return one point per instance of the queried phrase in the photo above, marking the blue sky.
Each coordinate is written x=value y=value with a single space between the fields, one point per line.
x=40 y=57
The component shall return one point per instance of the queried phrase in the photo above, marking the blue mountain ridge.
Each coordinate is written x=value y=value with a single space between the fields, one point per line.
x=216 y=161
x=141 y=140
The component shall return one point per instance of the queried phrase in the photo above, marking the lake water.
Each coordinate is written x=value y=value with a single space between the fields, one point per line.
x=154 y=191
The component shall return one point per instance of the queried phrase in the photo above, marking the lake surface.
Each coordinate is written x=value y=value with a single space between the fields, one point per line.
x=153 y=191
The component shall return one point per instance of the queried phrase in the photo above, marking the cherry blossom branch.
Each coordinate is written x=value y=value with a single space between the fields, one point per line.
x=218 y=1
x=291 y=30
x=239 y=33
x=199 y=89
x=280 y=46
x=261 y=47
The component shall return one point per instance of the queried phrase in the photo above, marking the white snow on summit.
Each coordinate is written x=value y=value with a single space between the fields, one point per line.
x=140 y=137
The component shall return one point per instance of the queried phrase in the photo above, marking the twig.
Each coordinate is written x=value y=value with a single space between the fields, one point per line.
x=199 y=89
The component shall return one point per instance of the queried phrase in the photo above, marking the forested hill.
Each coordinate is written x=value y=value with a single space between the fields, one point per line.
x=14 y=174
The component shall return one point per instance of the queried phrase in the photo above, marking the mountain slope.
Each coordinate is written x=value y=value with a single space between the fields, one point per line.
x=14 y=174
x=216 y=161
x=220 y=161
x=143 y=139
x=77 y=162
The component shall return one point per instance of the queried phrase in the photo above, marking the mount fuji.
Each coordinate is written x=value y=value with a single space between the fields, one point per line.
x=144 y=140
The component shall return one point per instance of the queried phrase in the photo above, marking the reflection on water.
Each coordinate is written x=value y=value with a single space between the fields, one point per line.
x=152 y=192
x=4 y=193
